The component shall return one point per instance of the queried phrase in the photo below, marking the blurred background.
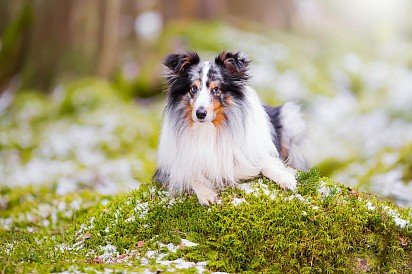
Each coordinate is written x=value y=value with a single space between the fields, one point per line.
x=81 y=88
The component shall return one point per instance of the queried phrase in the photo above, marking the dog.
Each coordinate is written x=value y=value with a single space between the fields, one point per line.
x=216 y=132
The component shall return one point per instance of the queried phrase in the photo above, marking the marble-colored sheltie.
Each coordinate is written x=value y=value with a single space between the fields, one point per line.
x=216 y=131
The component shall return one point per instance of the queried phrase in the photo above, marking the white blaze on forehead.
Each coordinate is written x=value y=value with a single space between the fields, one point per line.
x=203 y=99
x=205 y=70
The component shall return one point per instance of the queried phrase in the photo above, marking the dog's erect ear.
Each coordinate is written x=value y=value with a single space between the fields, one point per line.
x=180 y=63
x=236 y=64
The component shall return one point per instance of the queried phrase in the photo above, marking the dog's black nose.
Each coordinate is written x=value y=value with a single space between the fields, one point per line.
x=201 y=113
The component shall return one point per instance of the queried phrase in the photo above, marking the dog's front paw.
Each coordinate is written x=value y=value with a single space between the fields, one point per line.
x=287 y=179
x=205 y=194
x=283 y=176
x=208 y=197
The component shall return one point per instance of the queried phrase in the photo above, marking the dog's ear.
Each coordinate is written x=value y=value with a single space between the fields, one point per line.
x=236 y=64
x=180 y=63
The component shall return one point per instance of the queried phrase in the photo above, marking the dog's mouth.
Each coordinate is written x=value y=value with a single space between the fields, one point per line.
x=203 y=121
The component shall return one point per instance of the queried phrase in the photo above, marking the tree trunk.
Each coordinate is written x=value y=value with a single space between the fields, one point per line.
x=65 y=39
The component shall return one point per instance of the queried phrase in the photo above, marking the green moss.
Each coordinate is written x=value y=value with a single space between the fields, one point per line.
x=323 y=227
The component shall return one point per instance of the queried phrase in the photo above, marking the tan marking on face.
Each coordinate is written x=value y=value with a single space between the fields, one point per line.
x=188 y=112
x=212 y=85
x=219 y=110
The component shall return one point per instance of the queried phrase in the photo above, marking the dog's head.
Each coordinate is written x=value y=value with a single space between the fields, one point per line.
x=206 y=88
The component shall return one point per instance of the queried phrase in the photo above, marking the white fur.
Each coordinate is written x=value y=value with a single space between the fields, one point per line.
x=204 y=158
x=203 y=98
x=293 y=134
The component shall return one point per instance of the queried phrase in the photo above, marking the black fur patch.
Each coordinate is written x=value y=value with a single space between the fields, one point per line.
x=234 y=65
x=273 y=113
x=161 y=177
x=178 y=78
x=181 y=62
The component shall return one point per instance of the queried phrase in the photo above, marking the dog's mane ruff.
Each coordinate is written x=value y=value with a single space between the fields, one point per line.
x=214 y=155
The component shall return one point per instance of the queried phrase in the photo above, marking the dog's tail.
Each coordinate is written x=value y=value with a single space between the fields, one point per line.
x=292 y=134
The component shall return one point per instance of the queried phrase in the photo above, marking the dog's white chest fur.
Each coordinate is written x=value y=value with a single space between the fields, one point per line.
x=203 y=154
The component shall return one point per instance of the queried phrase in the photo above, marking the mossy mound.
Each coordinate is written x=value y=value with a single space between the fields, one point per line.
x=323 y=227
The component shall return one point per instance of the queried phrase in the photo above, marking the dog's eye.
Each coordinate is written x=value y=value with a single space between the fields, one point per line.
x=216 y=91
x=193 y=89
